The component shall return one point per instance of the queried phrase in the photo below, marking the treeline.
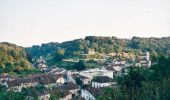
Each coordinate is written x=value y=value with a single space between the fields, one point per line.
x=104 y=45
x=142 y=84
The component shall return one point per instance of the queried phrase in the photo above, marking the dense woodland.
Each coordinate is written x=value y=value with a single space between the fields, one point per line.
x=13 y=59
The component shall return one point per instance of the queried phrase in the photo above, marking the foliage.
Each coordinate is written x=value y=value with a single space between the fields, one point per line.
x=59 y=55
x=80 y=65
x=13 y=58
x=10 y=95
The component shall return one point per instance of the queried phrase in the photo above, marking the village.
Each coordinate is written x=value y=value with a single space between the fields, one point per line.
x=71 y=84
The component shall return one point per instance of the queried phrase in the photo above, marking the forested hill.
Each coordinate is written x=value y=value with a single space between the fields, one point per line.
x=104 y=45
x=13 y=58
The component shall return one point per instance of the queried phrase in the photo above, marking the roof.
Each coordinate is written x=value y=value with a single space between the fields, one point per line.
x=110 y=68
x=142 y=59
x=41 y=78
x=60 y=91
x=83 y=77
x=117 y=68
x=94 y=91
x=68 y=86
x=57 y=76
x=118 y=65
x=48 y=91
x=54 y=70
x=74 y=76
x=47 y=79
x=19 y=81
x=102 y=79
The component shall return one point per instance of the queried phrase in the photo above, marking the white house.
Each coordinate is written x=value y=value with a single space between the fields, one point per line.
x=102 y=81
x=90 y=73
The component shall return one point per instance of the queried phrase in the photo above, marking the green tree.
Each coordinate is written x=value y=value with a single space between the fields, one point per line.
x=80 y=65
x=9 y=67
x=59 y=55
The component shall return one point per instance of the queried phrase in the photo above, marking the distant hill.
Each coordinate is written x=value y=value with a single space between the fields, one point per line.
x=13 y=58
x=104 y=45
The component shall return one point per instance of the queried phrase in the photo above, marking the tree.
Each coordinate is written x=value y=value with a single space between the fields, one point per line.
x=9 y=67
x=59 y=55
x=80 y=65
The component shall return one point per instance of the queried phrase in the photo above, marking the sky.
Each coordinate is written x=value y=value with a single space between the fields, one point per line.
x=32 y=22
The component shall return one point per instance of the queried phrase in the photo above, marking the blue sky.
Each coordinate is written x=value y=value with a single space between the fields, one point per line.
x=28 y=22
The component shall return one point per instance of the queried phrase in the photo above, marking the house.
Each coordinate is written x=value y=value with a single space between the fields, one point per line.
x=69 y=86
x=85 y=80
x=102 y=81
x=104 y=72
x=59 y=94
x=90 y=73
x=60 y=78
x=71 y=77
x=90 y=93
x=18 y=84
x=13 y=85
x=40 y=64
x=42 y=67
x=55 y=70
x=144 y=60
x=110 y=70
x=39 y=95
x=48 y=80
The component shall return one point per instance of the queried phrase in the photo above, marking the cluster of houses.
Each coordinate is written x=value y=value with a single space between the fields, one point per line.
x=52 y=83
x=65 y=82
x=59 y=81
x=47 y=80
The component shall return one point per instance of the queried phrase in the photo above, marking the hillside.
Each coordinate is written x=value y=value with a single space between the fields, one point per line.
x=13 y=58
x=103 y=45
